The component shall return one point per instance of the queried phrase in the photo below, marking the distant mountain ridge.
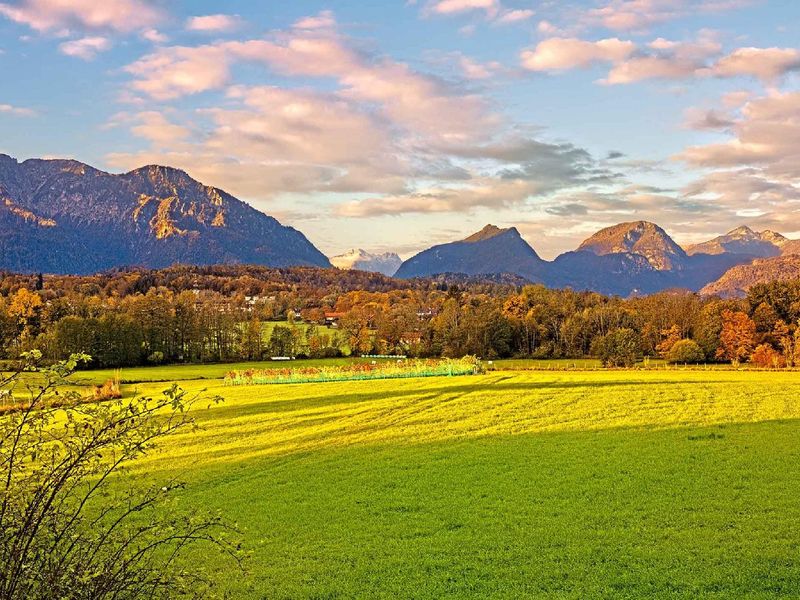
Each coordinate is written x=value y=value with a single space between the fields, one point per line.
x=743 y=240
x=629 y=258
x=386 y=263
x=63 y=216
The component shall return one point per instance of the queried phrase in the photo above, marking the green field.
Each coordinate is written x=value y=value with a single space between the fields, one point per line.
x=571 y=484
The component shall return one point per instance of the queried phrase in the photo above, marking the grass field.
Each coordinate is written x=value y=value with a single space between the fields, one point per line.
x=573 y=484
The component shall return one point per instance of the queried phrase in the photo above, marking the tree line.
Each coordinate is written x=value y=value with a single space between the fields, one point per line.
x=213 y=314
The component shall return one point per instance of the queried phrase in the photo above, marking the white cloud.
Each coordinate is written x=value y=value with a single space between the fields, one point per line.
x=558 y=54
x=488 y=193
x=475 y=70
x=451 y=7
x=413 y=100
x=661 y=59
x=766 y=64
x=177 y=71
x=381 y=128
x=637 y=15
x=155 y=36
x=323 y=20
x=492 y=10
x=85 y=48
x=765 y=135
x=58 y=15
x=758 y=167
x=514 y=16
x=214 y=23
x=156 y=128
x=16 y=111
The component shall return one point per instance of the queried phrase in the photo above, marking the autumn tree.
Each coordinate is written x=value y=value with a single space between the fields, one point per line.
x=669 y=337
x=356 y=325
x=23 y=310
x=252 y=339
x=765 y=317
x=788 y=340
x=766 y=357
x=737 y=338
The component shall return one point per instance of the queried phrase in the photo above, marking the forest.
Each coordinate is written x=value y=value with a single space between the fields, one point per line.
x=219 y=314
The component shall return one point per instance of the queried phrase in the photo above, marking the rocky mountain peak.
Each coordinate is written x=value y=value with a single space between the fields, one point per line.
x=742 y=241
x=359 y=259
x=774 y=237
x=641 y=238
x=743 y=232
x=489 y=232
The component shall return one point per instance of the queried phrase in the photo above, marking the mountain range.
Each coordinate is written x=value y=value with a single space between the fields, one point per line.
x=63 y=216
x=625 y=259
x=743 y=240
x=361 y=260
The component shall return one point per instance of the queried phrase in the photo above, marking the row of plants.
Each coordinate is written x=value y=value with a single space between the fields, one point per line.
x=468 y=365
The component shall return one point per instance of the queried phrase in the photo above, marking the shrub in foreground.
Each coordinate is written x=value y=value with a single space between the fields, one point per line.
x=73 y=523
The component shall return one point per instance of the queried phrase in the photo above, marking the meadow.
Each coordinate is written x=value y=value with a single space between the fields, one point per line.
x=545 y=484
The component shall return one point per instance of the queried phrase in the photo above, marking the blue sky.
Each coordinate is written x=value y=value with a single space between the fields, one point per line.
x=395 y=125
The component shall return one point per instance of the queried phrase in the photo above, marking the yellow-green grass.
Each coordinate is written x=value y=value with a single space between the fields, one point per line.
x=573 y=484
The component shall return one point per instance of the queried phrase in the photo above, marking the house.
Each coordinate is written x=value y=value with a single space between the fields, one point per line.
x=411 y=338
x=332 y=318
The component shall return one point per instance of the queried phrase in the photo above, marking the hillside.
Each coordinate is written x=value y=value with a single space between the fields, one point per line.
x=735 y=282
x=361 y=260
x=791 y=247
x=490 y=251
x=62 y=216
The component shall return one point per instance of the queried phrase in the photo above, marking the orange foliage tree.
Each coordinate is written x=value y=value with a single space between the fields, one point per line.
x=767 y=357
x=670 y=337
x=737 y=338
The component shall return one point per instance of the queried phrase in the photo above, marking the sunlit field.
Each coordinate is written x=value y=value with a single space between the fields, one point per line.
x=567 y=484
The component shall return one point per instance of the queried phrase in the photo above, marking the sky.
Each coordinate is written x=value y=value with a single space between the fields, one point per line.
x=395 y=125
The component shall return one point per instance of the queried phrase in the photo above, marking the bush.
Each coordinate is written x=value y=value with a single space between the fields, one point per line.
x=156 y=358
x=70 y=526
x=620 y=348
x=766 y=357
x=685 y=352
x=110 y=390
